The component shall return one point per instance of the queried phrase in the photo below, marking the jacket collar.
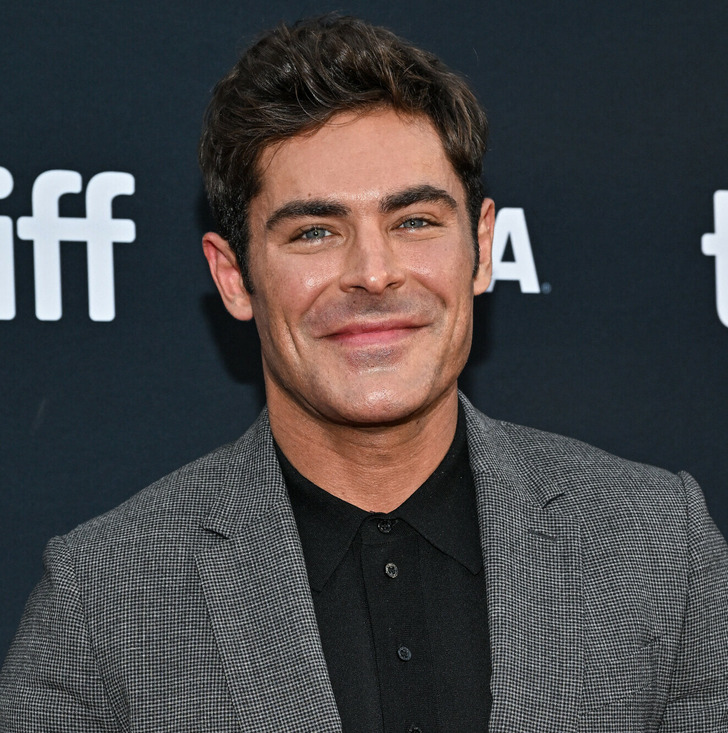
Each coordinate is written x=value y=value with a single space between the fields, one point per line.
x=494 y=453
x=532 y=559
x=256 y=589
x=251 y=463
x=251 y=485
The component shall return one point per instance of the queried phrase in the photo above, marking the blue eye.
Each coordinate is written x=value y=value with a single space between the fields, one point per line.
x=414 y=223
x=315 y=233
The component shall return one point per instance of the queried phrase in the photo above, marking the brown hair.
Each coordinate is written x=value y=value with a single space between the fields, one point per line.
x=295 y=78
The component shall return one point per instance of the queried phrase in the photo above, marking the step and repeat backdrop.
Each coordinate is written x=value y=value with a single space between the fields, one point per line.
x=607 y=319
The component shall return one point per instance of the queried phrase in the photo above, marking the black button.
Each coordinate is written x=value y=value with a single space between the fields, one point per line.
x=385 y=526
x=414 y=729
x=404 y=654
x=391 y=570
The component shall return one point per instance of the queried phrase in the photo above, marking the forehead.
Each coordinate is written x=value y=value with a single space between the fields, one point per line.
x=357 y=158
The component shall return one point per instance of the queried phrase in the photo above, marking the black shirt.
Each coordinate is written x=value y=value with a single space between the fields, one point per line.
x=400 y=602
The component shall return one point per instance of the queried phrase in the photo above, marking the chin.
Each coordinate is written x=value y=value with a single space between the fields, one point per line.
x=381 y=407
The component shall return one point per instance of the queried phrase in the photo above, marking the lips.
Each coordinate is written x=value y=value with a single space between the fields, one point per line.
x=365 y=333
x=361 y=316
x=374 y=327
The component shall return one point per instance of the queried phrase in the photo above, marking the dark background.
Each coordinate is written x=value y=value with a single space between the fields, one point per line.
x=609 y=128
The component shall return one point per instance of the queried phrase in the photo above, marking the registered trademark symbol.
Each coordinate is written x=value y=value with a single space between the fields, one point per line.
x=545 y=288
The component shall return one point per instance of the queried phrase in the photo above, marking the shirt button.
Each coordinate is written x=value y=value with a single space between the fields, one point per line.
x=391 y=570
x=404 y=654
x=384 y=526
x=414 y=729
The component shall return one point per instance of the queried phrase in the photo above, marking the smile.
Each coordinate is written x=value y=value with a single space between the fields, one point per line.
x=366 y=334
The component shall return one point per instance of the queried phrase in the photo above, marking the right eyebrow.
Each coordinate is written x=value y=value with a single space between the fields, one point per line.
x=306 y=208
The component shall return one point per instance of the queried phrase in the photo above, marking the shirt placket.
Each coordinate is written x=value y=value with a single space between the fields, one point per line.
x=390 y=567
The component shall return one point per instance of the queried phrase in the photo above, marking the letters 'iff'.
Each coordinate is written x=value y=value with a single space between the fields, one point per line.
x=98 y=229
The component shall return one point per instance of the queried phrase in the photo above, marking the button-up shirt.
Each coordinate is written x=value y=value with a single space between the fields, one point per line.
x=400 y=601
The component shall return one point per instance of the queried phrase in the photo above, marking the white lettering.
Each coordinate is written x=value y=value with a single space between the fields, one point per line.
x=510 y=224
x=7 y=260
x=46 y=231
x=102 y=232
x=98 y=229
x=716 y=245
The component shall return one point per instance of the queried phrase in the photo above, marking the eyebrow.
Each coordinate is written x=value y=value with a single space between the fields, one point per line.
x=315 y=208
x=417 y=195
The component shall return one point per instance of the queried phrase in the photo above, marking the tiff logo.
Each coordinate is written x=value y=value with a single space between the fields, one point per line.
x=46 y=229
x=716 y=245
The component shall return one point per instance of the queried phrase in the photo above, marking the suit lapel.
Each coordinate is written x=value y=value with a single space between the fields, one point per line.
x=532 y=557
x=257 y=593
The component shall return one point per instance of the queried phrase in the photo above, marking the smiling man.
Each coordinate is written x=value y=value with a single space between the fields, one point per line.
x=374 y=554
x=362 y=270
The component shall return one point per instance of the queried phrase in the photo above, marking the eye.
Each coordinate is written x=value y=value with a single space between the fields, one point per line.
x=314 y=233
x=414 y=223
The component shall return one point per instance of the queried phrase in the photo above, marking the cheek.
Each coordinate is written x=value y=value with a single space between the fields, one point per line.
x=443 y=259
x=304 y=281
x=290 y=293
x=447 y=277
x=302 y=272
x=314 y=281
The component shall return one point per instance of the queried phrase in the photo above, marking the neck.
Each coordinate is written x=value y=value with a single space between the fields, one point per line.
x=375 y=468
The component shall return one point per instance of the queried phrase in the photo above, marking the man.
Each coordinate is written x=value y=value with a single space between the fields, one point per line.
x=374 y=554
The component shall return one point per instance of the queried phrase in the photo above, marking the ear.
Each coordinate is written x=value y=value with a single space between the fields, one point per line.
x=226 y=274
x=486 y=224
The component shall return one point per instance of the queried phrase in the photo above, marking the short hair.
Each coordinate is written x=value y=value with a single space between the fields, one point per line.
x=293 y=79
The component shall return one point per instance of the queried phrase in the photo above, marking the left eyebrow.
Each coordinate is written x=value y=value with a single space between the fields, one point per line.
x=416 y=195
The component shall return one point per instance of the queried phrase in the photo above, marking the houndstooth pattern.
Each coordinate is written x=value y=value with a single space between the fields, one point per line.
x=187 y=608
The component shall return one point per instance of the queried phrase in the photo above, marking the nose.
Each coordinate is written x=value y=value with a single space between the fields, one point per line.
x=371 y=263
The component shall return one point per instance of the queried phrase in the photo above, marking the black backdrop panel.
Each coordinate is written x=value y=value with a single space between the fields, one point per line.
x=609 y=124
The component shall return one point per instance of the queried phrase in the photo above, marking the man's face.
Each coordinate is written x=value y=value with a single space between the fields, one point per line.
x=361 y=256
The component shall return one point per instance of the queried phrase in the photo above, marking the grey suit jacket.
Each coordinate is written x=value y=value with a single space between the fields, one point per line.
x=188 y=607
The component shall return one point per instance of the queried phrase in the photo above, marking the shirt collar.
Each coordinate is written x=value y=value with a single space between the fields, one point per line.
x=443 y=510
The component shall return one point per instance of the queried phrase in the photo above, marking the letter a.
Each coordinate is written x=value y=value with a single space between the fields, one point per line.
x=511 y=224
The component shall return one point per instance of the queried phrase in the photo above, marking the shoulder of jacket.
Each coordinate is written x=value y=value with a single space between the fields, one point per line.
x=586 y=476
x=174 y=504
